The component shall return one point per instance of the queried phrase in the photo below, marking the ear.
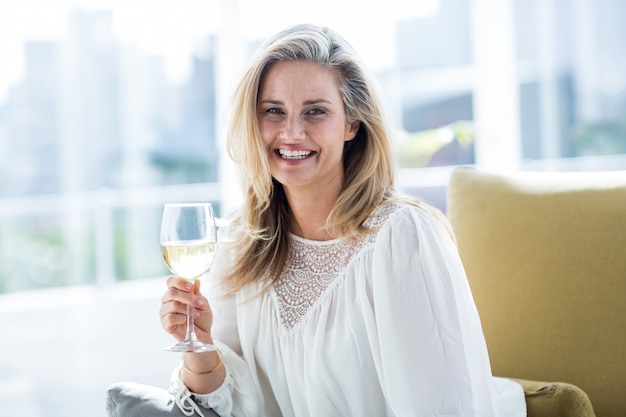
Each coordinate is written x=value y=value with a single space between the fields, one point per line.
x=352 y=130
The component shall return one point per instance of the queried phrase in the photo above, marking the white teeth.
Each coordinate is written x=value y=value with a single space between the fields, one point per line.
x=287 y=154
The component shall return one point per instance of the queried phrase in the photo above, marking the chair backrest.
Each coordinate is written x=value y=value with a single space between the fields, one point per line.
x=545 y=255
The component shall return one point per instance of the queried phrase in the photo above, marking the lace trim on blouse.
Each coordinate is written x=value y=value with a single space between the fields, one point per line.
x=312 y=266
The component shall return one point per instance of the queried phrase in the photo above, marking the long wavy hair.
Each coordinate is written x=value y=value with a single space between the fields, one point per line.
x=260 y=228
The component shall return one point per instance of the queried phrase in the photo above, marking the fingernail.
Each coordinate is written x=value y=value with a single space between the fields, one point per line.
x=200 y=301
x=189 y=286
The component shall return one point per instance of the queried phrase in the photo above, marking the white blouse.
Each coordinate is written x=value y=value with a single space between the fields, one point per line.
x=383 y=327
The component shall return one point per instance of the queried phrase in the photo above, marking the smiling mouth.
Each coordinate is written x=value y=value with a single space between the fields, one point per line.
x=287 y=154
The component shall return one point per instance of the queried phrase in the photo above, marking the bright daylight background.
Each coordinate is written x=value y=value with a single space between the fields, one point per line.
x=110 y=108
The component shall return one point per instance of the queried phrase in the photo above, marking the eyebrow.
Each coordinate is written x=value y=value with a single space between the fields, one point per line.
x=316 y=101
x=306 y=102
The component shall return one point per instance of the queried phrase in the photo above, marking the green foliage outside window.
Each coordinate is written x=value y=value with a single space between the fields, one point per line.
x=600 y=138
x=452 y=144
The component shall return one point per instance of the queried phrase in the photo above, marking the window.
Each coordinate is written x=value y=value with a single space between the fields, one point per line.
x=90 y=109
x=108 y=109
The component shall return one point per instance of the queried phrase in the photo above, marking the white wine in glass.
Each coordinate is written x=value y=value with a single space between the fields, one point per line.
x=188 y=241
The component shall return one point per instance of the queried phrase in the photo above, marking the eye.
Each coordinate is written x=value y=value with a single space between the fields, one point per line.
x=273 y=110
x=315 y=111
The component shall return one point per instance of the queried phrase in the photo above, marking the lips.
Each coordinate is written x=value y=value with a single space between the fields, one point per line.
x=290 y=154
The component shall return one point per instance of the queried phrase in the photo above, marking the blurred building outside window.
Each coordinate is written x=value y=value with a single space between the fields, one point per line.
x=93 y=121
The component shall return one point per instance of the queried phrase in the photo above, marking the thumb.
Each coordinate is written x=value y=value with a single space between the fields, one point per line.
x=196 y=286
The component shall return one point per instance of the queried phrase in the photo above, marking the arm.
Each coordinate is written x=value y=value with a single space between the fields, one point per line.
x=433 y=358
x=201 y=372
x=226 y=387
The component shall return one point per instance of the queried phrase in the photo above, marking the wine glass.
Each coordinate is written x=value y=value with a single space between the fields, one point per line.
x=188 y=240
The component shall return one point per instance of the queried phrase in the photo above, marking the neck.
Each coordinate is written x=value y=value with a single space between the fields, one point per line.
x=309 y=214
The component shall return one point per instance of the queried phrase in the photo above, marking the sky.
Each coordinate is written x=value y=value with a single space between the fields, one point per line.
x=170 y=27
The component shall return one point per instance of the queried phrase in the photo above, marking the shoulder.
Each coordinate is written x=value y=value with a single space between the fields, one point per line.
x=406 y=219
x=401 y=210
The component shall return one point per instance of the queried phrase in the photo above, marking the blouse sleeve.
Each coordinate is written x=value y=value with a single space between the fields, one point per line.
x=237 y=394
x=432 y=354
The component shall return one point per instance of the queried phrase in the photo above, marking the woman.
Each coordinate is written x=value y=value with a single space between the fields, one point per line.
x=332 y=295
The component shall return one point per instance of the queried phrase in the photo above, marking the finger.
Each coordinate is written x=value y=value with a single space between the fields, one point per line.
x=199 y=301
x=172 y=307
x=179 y=289
x=182 y=299
x=174 y=281
x=172 y=321
x=175 y=295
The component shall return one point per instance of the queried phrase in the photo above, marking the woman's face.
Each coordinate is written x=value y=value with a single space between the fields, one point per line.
x=303 y=126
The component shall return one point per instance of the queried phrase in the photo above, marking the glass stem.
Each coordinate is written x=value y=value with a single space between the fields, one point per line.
x=190 y=335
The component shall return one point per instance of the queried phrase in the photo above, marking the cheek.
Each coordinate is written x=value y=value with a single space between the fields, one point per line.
x=267 y=133
x=334 y=139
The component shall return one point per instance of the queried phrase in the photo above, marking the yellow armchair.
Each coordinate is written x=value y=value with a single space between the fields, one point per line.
x=545 y=255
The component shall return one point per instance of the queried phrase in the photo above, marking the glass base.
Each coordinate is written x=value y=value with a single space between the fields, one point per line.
x=191 y=346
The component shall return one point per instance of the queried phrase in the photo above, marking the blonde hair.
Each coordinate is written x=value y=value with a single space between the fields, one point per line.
x=261 y=227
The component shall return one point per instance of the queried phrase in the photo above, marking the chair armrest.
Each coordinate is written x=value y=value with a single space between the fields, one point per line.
x=129 y=399
x=543 y=399
x=553 y=399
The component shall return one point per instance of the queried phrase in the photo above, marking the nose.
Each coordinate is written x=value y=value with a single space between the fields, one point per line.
x=293 y=128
